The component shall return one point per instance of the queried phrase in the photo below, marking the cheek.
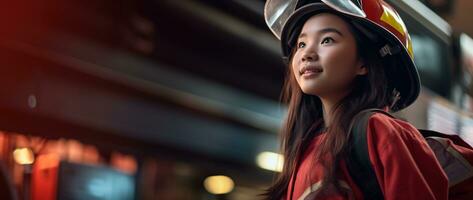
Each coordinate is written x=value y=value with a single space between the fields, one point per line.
x=340 y=59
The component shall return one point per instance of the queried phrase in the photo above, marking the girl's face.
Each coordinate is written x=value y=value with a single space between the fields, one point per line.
x=325 y=60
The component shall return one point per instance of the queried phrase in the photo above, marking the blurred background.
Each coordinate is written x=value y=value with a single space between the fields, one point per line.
x=177 y=99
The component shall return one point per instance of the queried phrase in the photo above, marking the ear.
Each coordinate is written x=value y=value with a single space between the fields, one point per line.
x=362 y=69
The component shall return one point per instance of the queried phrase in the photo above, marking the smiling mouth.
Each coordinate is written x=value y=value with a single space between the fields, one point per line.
x=311 y=71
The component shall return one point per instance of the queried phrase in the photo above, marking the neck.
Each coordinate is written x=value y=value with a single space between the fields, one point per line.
x=327 y=111
x=328 y=104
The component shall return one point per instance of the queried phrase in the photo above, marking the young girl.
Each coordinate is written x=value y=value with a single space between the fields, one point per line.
x=344 y=57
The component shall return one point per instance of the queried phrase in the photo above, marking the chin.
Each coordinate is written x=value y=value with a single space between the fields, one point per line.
x=310 y=91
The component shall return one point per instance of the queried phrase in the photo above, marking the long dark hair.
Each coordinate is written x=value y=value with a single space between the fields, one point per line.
x=305 y=118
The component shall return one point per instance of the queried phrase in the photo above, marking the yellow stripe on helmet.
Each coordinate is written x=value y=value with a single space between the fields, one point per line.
x=390 y=17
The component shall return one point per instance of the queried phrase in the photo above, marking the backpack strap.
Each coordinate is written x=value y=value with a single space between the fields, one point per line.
x=358 y=161
x=454 y=138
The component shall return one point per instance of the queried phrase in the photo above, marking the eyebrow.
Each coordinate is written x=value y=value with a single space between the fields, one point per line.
x=325 y=30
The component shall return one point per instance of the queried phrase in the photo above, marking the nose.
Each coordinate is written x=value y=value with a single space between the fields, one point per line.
x=310 y=55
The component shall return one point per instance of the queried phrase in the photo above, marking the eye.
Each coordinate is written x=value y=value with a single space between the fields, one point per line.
x=300 y=45
x=327 y=40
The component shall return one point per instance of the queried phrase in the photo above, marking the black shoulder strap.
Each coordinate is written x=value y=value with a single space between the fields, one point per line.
x=456 y=139
x=358 y=161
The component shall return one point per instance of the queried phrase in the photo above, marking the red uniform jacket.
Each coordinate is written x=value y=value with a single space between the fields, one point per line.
x=405 y=166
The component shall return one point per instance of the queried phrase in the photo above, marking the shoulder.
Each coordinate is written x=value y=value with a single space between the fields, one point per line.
x=399 y=155
x=382 y=121
x=381 y=126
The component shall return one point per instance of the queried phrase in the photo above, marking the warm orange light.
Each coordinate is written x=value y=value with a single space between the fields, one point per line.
x=23 y=156
x=219 y=184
